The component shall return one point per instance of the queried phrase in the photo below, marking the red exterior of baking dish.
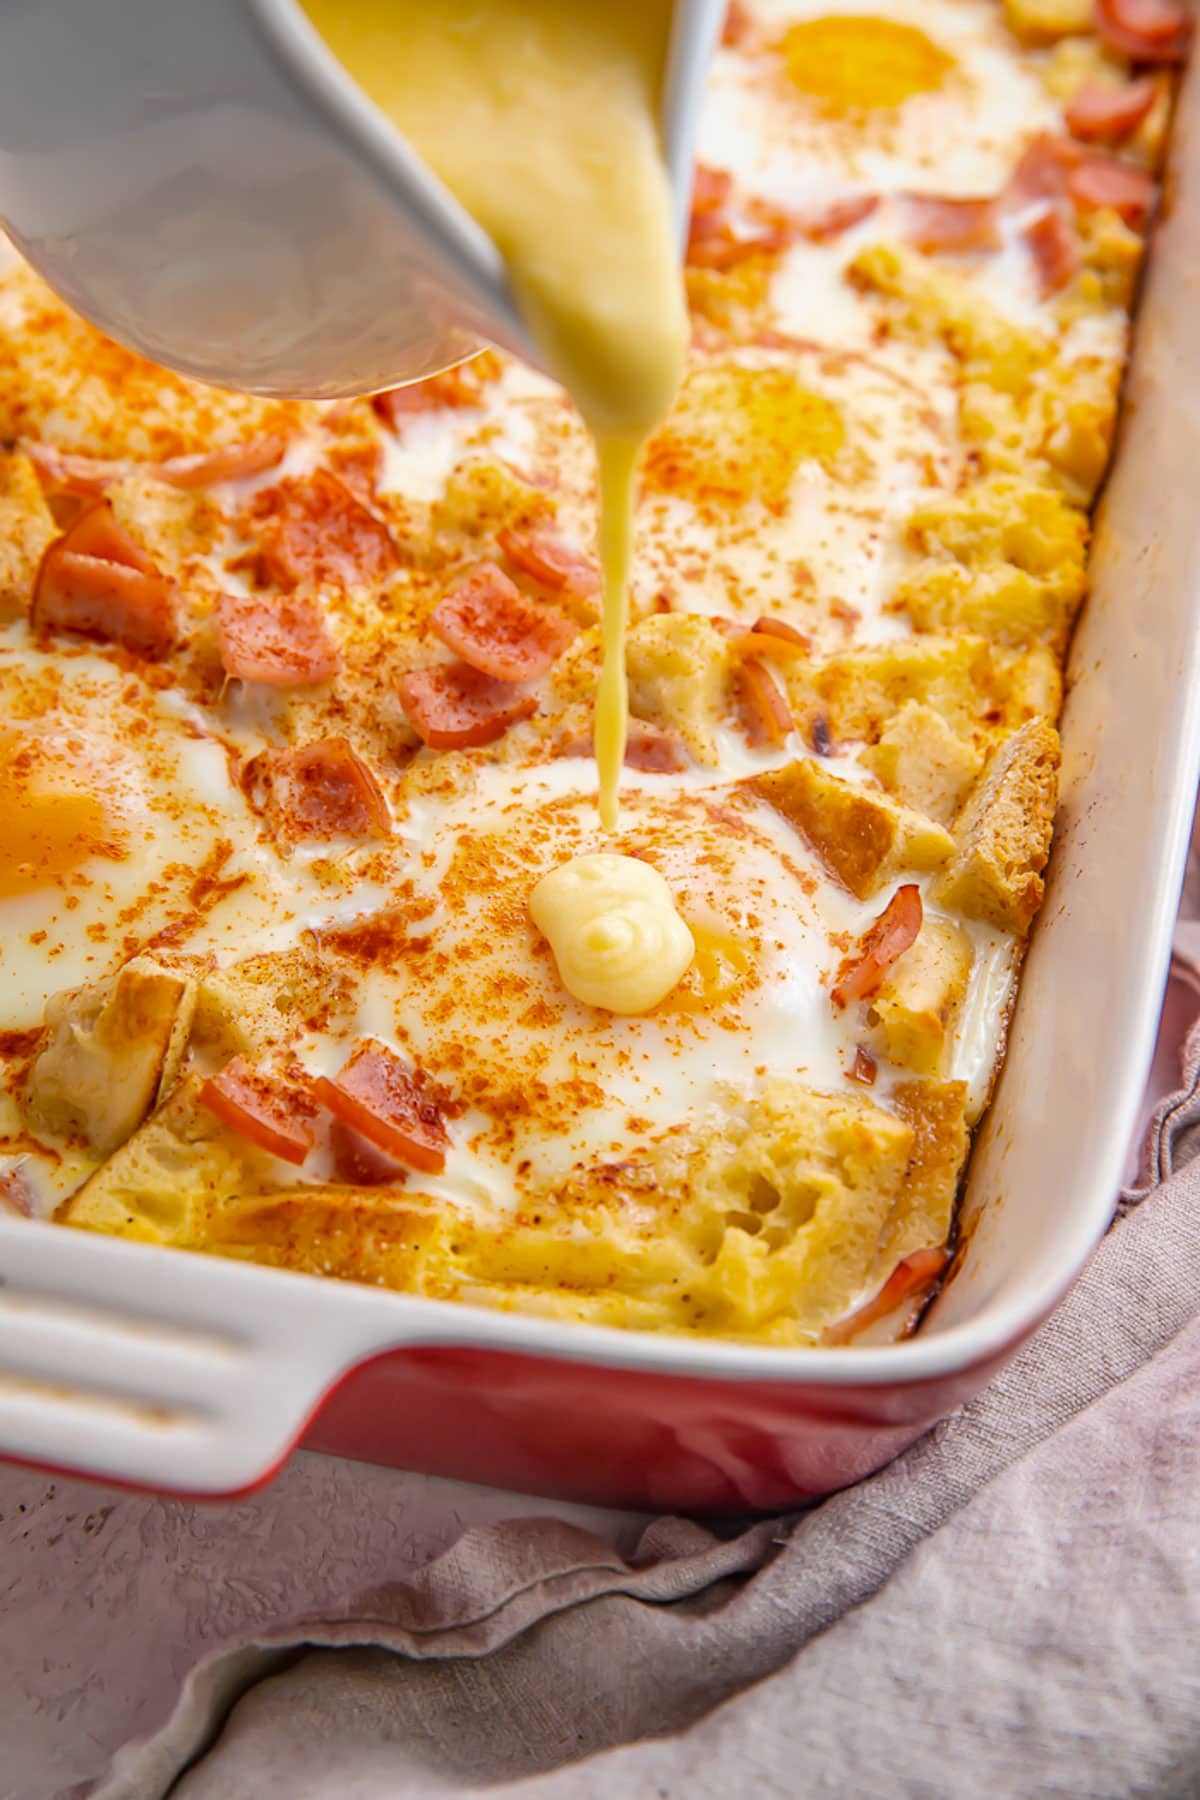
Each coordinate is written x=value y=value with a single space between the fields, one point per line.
x=624 y=1437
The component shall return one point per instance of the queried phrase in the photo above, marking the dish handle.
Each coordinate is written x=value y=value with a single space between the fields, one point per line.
x=128 y=1363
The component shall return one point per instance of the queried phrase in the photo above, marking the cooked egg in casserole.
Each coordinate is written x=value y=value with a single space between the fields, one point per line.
x=296 y=762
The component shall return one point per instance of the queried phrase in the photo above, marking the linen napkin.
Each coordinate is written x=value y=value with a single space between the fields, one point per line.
x=1012 y=1607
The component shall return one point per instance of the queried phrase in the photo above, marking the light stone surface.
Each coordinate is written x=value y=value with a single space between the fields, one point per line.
x=107 y=1598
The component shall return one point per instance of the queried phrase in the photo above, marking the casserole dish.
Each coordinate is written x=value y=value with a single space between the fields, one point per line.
x=198 y=1376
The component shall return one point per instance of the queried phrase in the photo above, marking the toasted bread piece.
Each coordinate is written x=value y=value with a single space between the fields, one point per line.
x=924 y=1207
x=923 y=763
x=1005 y=558
x=775 y=1200
x=913 y=1012
x=26 y=527
x=862 y=837
x=678 y=668
x=1003 y=833
x=114 y=1048
x=158 y=1185
x=1037 y=22
x=982 y=691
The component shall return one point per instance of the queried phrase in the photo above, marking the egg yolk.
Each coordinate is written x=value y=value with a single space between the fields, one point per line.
x=720 y=966
x=851 y=61
x=47 y=830
x=739 y=433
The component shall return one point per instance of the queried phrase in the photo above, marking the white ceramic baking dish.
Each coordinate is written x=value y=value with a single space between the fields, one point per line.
x=199 y=1375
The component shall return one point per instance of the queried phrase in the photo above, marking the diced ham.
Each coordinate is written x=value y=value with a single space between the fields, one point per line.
x=914 y=1274
x=64 y=472
x=16 y=1195
x=828 y=220
x=358 y=1163
x=766 y=626
x=715 y=243
x=1042 y=169
x=377 y=1096
x=232 y=462
x=69 y=472
x=654 y=751
x=738 y=25
x=498 y=630
x=280 y=641
x=864 y=1067
x=935 y=223
x=712 y=190
x=97 y=533
x=540 y=551
x=316 y=530
x=358 y=467
x=97 y=581
x=1147 y=31
x=463 y=385
x=452 y=706
x=1054 y=243
x=267 y=1110
x=1103 y=181
x=104 y=599
x=893 y=932
x=325 y=790
x=765 y=714
x=768 y=643
x=647 y=747
x=1103 y=115
x=1053 y=168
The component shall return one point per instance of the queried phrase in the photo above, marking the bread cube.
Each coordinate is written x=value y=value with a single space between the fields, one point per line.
x=1036 y=22
x=1002 y=603
x=158 y=1185
x=1076 y=63
x=923 y=763
x=1002 y=835
x=378 y=1235
x=1006 y=520
x=26 y=528
x=862 y=837
x=913 y=1013
x=981 y=692
x=114 y=1047
x=175 y=526
x=679 y=666
x=482 y=495
x=923 y=1211
x=1025 y=409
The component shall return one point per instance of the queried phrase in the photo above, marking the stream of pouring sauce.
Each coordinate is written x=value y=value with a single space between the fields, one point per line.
x=542 y=119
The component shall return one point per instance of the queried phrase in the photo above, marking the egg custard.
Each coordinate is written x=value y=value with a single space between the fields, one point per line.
x=298 y=706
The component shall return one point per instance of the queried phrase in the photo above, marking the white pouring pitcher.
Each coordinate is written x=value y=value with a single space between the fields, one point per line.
x=204 y=182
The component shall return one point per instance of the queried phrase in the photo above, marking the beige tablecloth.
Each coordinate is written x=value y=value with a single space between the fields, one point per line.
x=1011 y=1608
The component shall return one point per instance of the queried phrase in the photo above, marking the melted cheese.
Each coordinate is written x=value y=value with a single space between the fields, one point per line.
x=542 y=119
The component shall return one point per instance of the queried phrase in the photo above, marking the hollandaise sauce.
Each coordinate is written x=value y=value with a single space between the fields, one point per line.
x=617 y=937
x=542 y=119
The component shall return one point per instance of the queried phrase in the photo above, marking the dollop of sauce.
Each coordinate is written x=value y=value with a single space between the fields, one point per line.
x=616 y=934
